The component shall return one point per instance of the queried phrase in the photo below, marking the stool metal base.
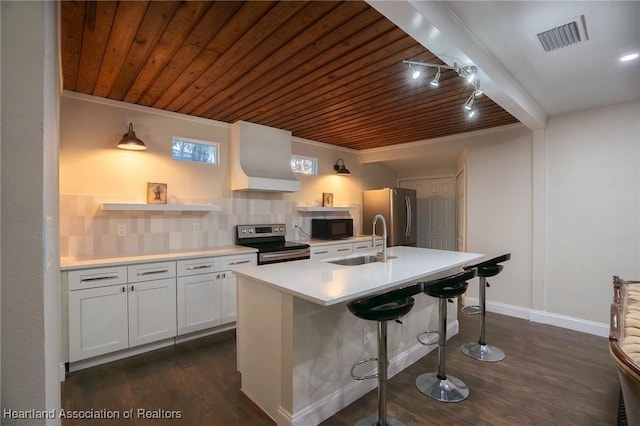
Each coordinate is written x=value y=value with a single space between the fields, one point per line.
x=450 y=389
x=487 y=353
x=372 y=420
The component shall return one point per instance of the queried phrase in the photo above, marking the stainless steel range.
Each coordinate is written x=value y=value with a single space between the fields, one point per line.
x=271 y=244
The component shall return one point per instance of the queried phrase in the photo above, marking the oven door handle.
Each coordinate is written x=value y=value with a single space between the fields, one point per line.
x=284 y=254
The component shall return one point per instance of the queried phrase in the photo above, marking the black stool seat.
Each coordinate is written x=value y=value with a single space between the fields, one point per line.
x=449 y=287
x=387 y=306
x=382 y=308
x=490 y=268
x=386 y=312
x=438 y=385
x=481 y=351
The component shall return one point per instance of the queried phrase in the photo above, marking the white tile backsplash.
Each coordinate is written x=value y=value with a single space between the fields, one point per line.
x=88 y=231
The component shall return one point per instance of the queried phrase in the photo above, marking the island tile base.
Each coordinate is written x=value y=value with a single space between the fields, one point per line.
x=295 y=356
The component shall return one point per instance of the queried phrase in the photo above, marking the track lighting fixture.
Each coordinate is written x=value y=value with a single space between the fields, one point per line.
x=468 y=73
x=436 y=80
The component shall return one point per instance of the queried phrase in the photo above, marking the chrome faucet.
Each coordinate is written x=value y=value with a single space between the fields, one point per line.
x=384 y=236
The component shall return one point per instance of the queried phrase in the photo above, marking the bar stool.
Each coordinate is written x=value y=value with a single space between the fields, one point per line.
x=438 y=385
x=382 y=308
x=481 y=351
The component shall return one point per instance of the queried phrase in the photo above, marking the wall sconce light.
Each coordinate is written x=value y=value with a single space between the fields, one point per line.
x=340 y=168
x=130 y=141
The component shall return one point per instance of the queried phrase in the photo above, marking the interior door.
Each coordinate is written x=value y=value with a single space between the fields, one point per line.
x=436 y=212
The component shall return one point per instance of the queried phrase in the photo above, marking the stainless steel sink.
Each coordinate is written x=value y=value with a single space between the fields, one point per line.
x=360 y=260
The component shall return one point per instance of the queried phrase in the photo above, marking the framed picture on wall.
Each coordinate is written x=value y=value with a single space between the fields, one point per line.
x=156 y=193
x=327 y=199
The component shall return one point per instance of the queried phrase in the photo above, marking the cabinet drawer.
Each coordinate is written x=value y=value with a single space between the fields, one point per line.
x=362 y=246
x=204 y=265
x=230 y=262
x=321 y=252
x=151 y=271
x=342 y=250
x=97 y=277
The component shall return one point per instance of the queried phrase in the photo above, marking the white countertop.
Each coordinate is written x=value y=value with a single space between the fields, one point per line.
x=328 y=284
x=67 y=263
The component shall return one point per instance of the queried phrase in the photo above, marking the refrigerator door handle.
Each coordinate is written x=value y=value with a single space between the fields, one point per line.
x=407 y=203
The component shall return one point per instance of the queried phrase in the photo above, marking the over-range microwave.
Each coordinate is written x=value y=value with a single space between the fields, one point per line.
x=331 y=229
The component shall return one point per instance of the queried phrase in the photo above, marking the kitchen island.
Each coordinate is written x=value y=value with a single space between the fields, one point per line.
x=297 y=341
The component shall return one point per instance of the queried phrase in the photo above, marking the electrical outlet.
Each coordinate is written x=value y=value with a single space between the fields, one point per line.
x=196 y=227
x=366 y=335
x=122 y=230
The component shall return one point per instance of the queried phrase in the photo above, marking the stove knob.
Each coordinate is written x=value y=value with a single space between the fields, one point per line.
x=251 y=230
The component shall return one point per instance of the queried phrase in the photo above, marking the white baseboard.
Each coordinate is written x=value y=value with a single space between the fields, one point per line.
x=114 y=356
x=343 y=397
x=577 y=324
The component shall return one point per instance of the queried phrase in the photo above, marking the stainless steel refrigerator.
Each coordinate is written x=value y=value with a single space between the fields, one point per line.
x=398 y=206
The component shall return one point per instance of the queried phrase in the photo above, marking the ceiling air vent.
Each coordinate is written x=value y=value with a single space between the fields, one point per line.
x=564 y=35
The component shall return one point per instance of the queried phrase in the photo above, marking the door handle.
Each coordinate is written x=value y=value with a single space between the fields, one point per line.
x=407 y=203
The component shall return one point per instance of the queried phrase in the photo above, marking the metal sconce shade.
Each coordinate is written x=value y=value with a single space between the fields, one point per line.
x=130 y=141
x=340 y=168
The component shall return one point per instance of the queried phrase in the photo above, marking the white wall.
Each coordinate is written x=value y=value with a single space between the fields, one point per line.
x=499 y=214
x=565 y=201
x=30 y=303
x=90 y=163
x=592 y=208
x=94 y=170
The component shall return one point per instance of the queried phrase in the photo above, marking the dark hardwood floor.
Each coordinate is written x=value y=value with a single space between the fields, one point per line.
x=551 y=376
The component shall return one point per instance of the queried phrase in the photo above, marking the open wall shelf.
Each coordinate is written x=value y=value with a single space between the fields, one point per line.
x=325 y=209
x=161 y=207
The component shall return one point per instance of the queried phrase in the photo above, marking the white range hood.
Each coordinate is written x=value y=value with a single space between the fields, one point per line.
x=261 y=159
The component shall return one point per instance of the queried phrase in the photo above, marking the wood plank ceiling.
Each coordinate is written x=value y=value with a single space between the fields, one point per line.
x=329 y=71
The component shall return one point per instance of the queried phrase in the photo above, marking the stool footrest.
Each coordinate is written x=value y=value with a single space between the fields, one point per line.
x=424 y=333
x=471 y=310
x=359 y=363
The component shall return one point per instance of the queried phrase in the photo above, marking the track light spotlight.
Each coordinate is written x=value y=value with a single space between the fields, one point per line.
x=478 y=91
x=468 y=105
x=471 y=113
x=436 y=80
x=416 y=74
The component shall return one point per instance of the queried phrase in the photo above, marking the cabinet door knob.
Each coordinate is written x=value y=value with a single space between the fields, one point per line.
x=131 y=288
x=224 y=275
x=124 y=289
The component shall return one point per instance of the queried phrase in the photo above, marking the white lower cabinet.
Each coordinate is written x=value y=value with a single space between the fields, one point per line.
x=198 y=302
x=152 y=311
x=228 y=297
x=108 y=318
x=207 y=299
x=121 y=307
x=98 y=322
